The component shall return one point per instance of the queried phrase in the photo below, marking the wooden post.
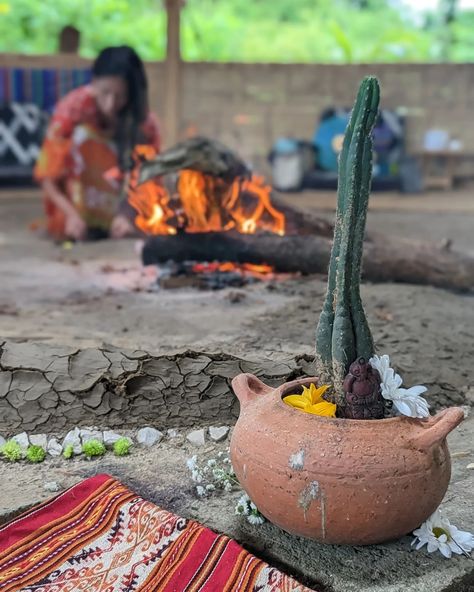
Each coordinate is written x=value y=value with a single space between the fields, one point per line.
x=173 y=72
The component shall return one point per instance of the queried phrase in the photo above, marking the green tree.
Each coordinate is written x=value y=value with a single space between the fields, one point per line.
x=333 y=31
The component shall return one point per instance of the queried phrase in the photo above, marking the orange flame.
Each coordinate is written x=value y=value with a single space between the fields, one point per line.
x=250 y=269
x=206 y=203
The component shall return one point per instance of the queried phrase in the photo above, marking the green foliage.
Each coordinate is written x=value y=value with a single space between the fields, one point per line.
x=35 y=454
x=93 y=448
x=33 y=27
x=335 y=31
x=68 y=451
x=122 y=447
x=11 y=451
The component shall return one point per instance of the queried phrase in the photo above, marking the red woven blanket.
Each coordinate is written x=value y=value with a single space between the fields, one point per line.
x=100 y=536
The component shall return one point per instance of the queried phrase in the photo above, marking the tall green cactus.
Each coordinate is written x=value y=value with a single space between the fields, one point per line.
x=343 y=333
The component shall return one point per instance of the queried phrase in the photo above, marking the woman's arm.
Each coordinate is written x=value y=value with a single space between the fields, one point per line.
x=75 y=227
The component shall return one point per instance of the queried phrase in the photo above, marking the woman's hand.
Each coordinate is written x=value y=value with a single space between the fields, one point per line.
x=75 y=227
x=121 y=227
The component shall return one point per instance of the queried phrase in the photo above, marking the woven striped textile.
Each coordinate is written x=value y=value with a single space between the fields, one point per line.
x=100 y=536
x=42 y=87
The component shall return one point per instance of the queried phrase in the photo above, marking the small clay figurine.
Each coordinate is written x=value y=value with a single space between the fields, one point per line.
x=362 y=392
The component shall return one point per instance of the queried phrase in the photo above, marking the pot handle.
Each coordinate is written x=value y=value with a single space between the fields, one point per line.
x=437 y=428
x=248 y=387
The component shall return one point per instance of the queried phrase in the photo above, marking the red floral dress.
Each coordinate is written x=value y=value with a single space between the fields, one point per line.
x=76 y=153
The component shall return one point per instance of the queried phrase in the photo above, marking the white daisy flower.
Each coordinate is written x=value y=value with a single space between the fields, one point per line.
x=256 y=519
x=228 y=486
x=192 y=463
x=200 y=491
x=440 y=535
x=211 y=462
x=242 y=506
x=382 y=365
x=196 y=476
x=405 y=401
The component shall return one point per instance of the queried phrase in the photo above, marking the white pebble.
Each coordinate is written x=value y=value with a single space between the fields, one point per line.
x=218 y=433
x=54 y=448
x=110 y=438
x=39 y=440
x=52 y=486
x=73 y=438
x=149 y=436
x=22 y=440
x=197 y=437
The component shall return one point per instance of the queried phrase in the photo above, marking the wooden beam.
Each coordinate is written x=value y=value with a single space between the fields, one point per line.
x=173 y=64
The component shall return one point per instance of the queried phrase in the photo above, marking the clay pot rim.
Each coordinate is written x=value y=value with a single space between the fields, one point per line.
x=287 y=387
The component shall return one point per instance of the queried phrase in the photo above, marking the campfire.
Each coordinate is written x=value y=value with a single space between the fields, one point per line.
x=201 y=203
x=218 y=211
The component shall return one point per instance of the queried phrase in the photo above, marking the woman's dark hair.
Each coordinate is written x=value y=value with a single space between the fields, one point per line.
x=123 y=61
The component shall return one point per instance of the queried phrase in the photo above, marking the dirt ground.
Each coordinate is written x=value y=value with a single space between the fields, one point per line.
x=98 y=292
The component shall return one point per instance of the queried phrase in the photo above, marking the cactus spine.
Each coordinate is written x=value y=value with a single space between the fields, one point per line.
x=343 y=333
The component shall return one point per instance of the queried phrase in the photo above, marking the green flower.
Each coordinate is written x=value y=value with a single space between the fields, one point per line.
x=93 y=448
x=35 y=454
x=11 y=450
x=122 y=447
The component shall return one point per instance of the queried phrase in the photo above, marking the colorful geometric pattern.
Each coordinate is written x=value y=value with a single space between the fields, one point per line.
x=99 y=536
x=41 y=86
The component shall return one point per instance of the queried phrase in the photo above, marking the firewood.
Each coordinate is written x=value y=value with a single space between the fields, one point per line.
x=385 y=259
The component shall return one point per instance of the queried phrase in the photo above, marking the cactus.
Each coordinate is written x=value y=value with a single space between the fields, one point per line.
x=343 y=333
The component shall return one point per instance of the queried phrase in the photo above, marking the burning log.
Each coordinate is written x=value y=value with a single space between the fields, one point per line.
x=221 y=213
x=200 y=154
x=385 y=259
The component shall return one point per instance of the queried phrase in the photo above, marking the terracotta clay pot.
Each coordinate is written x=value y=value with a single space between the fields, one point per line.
x=338 y=481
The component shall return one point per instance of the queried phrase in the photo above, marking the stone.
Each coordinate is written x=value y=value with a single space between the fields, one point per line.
x=197 y=437
x=39 y=440
x=470 y=466
x=22 y=440
x=149 y=436
x=218 y=433
x=54 y=447
x=110 y=437
x=52 y=486
x=2 y=441
x=172 y=433
x=90 y=434
x=73 y=438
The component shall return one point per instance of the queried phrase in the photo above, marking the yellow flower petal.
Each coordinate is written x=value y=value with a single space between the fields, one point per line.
x=306 y=395
x=295 y=401
x=309 y=396
x=324 y=409
x=316 y=394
